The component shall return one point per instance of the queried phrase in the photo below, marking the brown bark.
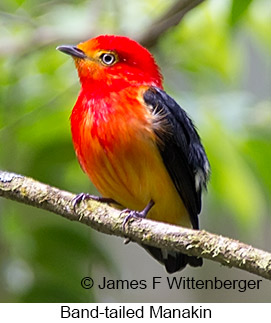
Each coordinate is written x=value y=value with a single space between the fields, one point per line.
x=106 y=219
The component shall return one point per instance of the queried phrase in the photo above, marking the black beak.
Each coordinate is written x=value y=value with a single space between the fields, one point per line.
x=72 y=50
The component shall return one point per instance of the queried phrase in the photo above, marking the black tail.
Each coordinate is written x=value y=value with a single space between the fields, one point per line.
x=174 y=261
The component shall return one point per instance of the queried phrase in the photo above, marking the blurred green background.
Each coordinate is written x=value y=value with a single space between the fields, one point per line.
x=216 y=64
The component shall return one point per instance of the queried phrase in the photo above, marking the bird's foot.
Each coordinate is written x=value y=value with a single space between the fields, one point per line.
x=136 y=214
x=131 y=214
x=85 y=196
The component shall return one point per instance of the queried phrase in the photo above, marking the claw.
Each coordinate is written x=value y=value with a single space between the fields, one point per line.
x=78 y=199
x=131 y=214
x=85 y=196
x=136 y=214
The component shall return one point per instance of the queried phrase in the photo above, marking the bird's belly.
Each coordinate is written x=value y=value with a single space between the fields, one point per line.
x=133 y=175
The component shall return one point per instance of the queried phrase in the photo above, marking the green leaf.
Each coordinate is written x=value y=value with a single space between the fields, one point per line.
x=238 y=9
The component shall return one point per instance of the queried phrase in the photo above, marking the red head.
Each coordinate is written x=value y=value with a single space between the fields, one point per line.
x=113 y=62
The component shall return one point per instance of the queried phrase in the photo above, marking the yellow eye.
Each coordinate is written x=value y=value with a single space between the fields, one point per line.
x=108 y=59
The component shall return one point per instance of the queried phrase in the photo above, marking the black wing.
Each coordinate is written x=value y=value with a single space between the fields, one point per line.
x=181 y=149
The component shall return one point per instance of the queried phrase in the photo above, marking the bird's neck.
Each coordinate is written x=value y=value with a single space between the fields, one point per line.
x=94 y=89
x=98 y=88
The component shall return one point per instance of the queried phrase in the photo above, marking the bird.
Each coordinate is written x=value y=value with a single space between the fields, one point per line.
x=139 y=148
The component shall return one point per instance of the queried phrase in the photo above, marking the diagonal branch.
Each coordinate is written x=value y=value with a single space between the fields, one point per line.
x=170 y=18
x=108 y=220
x=45 y=35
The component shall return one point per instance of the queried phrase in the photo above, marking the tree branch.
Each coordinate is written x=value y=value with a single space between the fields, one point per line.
x=45 y=35
x=171 y=18
x=108 y=220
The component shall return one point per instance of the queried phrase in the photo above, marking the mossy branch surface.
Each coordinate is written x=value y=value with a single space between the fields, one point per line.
x=106 y=219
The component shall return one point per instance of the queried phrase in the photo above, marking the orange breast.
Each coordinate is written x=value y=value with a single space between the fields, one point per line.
x=116 y=147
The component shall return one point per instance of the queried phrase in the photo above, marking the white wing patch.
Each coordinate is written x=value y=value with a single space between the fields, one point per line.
x=201 y=176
